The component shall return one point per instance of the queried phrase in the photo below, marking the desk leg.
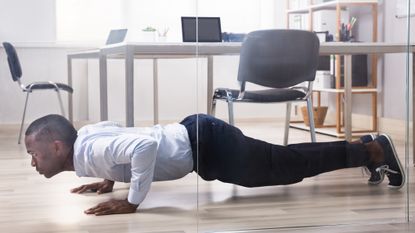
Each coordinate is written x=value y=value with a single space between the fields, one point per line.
x=348 y=97
x=103 y=91
x=155 y=91
x=129 y=86
x=70 y=97
x=413 y=108
x=209 y=84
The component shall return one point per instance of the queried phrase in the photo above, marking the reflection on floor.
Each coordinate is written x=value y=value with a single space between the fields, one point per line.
x=339 y=201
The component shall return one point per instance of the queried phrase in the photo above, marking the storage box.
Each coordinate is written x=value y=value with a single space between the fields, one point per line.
x=325 y=20
x=323 y=80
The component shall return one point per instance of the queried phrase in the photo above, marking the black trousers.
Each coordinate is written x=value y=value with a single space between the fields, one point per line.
x=221 y=151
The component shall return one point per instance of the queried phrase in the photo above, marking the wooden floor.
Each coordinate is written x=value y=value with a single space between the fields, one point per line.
x=339 y=201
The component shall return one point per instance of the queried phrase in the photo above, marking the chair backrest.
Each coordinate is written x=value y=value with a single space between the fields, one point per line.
x=13 y=60
x=279 y=58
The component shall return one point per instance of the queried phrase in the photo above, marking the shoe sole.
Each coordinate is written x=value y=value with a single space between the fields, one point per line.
x=402 y=171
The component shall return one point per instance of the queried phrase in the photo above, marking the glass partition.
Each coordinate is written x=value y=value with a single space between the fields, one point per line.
x=372 y=41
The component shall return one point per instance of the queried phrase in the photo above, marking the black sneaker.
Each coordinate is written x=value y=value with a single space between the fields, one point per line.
x=391 y=166
x=375 y=177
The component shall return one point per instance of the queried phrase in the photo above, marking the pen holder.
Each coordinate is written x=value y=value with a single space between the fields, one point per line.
x=345 y=35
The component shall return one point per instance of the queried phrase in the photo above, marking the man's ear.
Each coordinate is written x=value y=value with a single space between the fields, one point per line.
x=59 y=146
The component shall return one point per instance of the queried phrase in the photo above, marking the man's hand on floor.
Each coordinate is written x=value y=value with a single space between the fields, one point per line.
x=112 y=207
x=98 y=187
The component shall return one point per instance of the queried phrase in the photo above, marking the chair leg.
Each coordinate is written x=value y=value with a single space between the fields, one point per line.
x=287 y=123
x=23 y=117
x=230 y=112
x=311 y=119
x=60 y=102
x=213 y=107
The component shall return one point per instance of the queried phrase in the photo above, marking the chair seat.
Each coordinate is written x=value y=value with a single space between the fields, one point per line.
x=47 y=85
x=262 y=96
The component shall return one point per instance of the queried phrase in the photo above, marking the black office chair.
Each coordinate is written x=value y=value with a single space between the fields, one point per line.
x=279 y=60
x=16 y=73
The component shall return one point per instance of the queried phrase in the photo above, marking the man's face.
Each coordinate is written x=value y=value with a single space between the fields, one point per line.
x=45 y=156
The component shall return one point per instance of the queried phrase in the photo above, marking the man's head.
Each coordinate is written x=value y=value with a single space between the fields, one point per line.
x=49 y=140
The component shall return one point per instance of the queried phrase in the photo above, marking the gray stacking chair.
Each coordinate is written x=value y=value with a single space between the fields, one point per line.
x=16 y=73
x=278 y=60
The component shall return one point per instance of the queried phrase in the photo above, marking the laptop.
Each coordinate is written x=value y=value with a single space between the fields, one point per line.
x=209 y=29
x=116 y=36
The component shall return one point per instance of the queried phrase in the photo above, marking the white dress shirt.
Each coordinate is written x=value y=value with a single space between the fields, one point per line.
x=136 y=155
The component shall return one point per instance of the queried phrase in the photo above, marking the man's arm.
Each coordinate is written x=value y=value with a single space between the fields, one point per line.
x=141 y=154
x=105 y=186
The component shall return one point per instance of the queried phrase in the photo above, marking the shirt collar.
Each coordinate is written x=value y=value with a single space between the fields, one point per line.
x=78 y=162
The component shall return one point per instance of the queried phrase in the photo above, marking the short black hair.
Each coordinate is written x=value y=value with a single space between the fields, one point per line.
x=53 y=127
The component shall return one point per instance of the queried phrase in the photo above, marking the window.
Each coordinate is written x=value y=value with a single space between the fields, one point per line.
x=87 y=20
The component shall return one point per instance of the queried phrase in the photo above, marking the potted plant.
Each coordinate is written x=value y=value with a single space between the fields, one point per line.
x=149 y=34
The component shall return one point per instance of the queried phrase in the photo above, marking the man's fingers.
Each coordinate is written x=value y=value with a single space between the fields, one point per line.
x=105 y=212
x=80 y=189
x=99 y=187
x=102 y=205
x=83 y=188
x=74 y=190
x=98 y=209
x=103 y=189
x=112 y=207
x=93 y=210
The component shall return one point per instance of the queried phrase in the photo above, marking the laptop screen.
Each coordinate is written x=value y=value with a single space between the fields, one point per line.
x=116 y=36
x=209 y=29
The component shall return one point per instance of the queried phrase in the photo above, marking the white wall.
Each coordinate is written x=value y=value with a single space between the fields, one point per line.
x=26 y=20
x=180 y=92
x=87 y=20
x=83 y=20
x=394 y=83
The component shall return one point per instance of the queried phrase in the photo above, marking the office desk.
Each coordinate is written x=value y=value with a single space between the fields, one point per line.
x=129 y=51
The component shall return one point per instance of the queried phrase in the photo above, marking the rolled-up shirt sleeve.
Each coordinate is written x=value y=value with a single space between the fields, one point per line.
x=141 y=153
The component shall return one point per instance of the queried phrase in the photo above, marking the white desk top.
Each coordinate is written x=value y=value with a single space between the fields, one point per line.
x=194 y=49
x=144 y=48
x=364 y=48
